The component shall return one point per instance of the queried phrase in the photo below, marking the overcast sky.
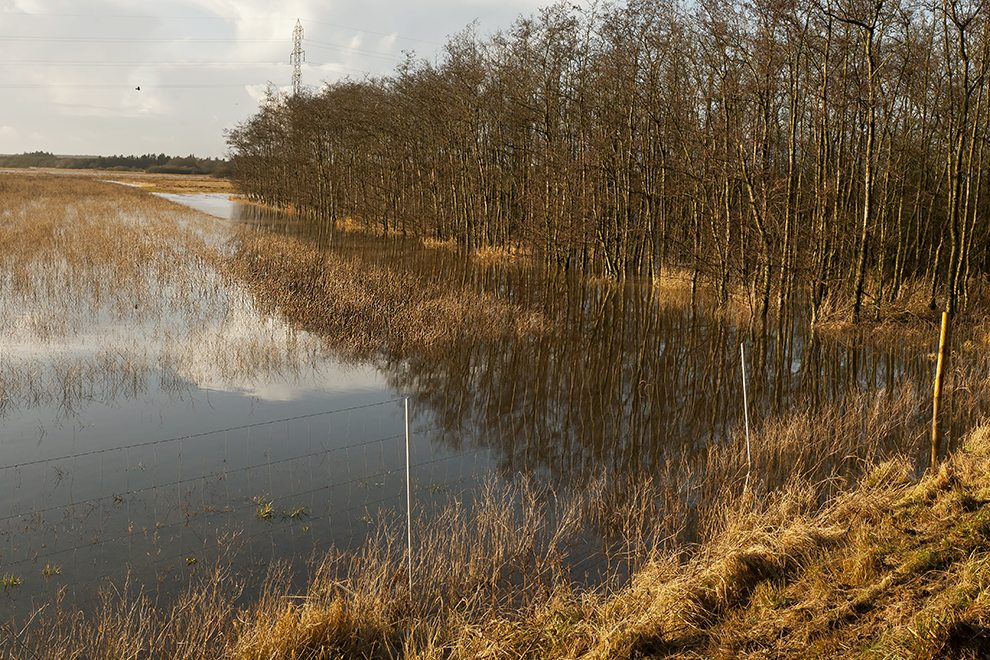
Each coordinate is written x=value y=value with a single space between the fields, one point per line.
x=70 y=69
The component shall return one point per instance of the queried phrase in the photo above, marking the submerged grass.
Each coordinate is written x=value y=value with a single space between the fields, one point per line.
x=107 y=291
x=364 y=310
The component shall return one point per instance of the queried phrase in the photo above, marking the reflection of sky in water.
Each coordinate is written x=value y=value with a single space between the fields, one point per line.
x=216 y=204
x=190 y=419
x=241 y=352
x=227 y=346
x=85 y=375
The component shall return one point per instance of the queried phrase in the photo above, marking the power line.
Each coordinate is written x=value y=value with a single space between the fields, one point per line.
x=141 y=40
x=310 y=42
x=338 y=26
x=350 y=49
x=124 y=86
x=148 y=17
x=381 y=34
x=144 y=86
x=164 y=64
x=296 y=57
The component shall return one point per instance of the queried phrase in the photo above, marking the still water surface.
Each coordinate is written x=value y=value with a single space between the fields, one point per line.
x=154 y=472
x=160 y=477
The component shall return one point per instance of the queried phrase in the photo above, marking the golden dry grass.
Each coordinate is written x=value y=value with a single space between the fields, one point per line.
x=177 y=184
x=898 y=567
x=435 y=244
x=496 y=255
x=796 y=566
x=364 y=310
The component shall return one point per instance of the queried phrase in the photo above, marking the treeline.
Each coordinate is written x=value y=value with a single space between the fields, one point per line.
x=160 y=164
x=832 y=145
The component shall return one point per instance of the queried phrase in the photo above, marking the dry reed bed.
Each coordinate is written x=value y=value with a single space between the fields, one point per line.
x=897 y=567
x=366 y=310
x=104 y=289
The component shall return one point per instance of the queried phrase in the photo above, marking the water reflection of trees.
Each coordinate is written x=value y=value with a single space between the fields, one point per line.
x=641 y=386
x=630 y=378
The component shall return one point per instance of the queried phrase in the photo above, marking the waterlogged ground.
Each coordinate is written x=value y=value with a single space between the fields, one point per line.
x=153 y=417
x=121 y=293
x=179 y=388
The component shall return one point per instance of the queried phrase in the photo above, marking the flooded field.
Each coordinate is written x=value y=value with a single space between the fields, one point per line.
x=154 y=418
x=187 y=380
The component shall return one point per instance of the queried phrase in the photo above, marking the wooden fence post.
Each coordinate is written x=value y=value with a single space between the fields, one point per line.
x=939 y=377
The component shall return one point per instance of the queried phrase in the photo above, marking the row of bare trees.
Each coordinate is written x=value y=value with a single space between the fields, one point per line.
x=832 y=145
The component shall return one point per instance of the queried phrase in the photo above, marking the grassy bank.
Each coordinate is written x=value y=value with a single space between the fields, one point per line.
x=896 y=568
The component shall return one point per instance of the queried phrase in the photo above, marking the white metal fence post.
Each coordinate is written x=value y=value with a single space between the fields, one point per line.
x=408 y=502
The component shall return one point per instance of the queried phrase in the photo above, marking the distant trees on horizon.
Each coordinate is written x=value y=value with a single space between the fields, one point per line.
x=160 y=164
x=836 y=146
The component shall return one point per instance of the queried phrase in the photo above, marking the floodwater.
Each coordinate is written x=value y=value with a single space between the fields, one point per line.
x=160 y=464
x=159 y=477
x=216 y=204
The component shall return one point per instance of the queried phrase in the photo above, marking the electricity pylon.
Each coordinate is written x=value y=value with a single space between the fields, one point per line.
x=297 y=57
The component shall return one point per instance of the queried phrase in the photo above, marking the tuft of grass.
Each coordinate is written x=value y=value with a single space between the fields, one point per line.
x=264 y=507
x=297 y=512
x=10 y=581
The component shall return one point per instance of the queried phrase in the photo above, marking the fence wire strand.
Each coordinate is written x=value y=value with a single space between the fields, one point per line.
x=163 y=506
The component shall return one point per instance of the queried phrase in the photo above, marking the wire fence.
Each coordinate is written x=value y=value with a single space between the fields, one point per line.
x=159 y=510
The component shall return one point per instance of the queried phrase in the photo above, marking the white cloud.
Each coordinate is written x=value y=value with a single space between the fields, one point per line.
x=258 y=93
x=69 y=69
x=388 y=43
